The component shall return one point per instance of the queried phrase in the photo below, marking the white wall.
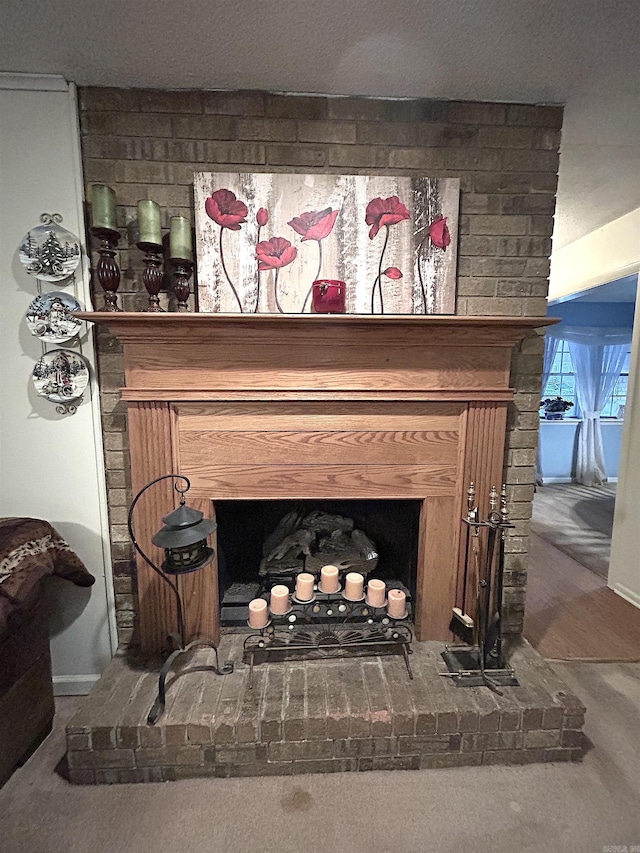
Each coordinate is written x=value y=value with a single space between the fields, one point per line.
x=624 y=568
x=558 y=449
x=604 y=255
x=50 y=464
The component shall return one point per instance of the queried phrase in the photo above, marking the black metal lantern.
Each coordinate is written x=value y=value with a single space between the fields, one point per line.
x=184 y=539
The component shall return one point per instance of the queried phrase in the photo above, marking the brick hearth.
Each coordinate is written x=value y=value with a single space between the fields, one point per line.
x=318 y=717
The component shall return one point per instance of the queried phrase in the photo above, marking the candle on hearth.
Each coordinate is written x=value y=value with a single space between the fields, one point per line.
x=149 y=220
x=397 y=604
x=103 y=207
x=280 y=602
x=180 y=245
x=304 y=586
x=376 y=593
x=354 y=586
x=258 y=614
x=329 y=579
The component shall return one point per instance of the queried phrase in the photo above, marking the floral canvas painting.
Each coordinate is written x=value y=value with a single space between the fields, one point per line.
x=263 y=239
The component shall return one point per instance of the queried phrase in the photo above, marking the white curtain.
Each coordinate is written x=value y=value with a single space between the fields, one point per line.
x=597 y=367
x=551 y=346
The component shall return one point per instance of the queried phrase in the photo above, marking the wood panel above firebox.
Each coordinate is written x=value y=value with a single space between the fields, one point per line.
x=275 y=407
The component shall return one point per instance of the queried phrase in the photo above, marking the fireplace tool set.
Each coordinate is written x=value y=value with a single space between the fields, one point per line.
x=479 y=661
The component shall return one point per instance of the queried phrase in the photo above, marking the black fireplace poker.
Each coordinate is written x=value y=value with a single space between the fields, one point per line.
x=184 y=539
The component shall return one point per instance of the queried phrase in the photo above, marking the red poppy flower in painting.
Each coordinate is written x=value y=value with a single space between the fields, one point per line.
x=392 y=273
x=439 y=233
x=316 y=224
x=226 y=210
x=384 y=212
x=275 y=253
x=262 y=216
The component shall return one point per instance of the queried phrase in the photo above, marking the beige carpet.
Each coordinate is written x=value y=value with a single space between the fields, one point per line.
x=578 y=520
x=556 y=808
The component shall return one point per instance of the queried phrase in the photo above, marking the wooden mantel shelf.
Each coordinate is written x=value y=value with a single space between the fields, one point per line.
x=180 y=323
x=315 y=407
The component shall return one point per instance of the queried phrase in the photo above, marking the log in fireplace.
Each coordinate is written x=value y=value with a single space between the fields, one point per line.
x=290 y=407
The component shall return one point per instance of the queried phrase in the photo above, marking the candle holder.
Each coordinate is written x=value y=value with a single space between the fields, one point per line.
x=107 y=270
x=297 y=600
x=182 y=269
x=329 y=626
x=153 y=276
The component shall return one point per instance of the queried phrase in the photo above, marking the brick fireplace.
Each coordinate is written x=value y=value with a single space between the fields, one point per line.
x=257 y=407
x=148 y=144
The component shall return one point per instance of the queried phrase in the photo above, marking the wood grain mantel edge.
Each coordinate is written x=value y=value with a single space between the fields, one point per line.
x=123 y=323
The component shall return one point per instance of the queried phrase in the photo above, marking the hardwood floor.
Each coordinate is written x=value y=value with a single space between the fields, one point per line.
x=571 y=614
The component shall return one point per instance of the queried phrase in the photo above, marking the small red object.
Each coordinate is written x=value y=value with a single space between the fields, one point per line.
x=329 y=296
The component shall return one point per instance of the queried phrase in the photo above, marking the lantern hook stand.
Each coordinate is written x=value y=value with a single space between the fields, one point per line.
x=203 y=558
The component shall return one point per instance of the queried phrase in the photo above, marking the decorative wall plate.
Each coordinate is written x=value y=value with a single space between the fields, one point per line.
x=49 y=251
x=61 y=375
x=49 y=317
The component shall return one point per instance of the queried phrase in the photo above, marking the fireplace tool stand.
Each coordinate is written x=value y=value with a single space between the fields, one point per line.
x=184 y=538
x=479 y=661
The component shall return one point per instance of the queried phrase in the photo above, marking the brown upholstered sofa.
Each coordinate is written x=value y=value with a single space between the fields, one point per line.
x=30 y=551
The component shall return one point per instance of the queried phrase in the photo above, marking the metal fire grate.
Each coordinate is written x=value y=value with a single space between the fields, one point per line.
x=330 y=626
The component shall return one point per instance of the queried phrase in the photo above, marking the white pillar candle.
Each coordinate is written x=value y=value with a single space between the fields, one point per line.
x=258 y=614
x=354 y=586
x=376 y=593
x=304 y=586
x=279 y=603
x=397 y=604
x=329 y=579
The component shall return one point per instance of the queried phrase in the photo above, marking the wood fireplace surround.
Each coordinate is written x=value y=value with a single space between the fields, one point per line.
x=314 y=407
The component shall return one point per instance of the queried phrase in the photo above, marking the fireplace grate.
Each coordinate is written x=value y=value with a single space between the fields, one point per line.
x=330 y=626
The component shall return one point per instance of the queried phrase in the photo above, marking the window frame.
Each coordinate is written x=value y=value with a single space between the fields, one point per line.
x=564 y=374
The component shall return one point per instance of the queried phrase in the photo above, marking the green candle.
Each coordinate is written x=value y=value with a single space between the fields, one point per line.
x=180 y=245
x=103 y=207
x=149 y=221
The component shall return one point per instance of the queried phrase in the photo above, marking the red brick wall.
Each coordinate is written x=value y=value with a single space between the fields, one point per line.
x=149 y=144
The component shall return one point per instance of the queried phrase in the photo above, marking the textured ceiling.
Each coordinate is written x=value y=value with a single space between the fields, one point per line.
x=583 y=53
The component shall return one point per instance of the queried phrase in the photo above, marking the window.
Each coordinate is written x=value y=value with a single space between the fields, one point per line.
x=562 y=383
x=619 y=394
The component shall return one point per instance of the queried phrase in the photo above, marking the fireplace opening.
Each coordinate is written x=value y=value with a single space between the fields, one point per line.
x=246 y=531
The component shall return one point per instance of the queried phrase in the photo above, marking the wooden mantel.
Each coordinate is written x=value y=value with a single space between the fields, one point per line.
x=256 y=406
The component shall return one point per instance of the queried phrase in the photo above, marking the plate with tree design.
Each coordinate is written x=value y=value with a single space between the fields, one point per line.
x=49 y=252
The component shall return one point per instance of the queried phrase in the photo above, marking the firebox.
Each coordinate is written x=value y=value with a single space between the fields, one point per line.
x=250 y=532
